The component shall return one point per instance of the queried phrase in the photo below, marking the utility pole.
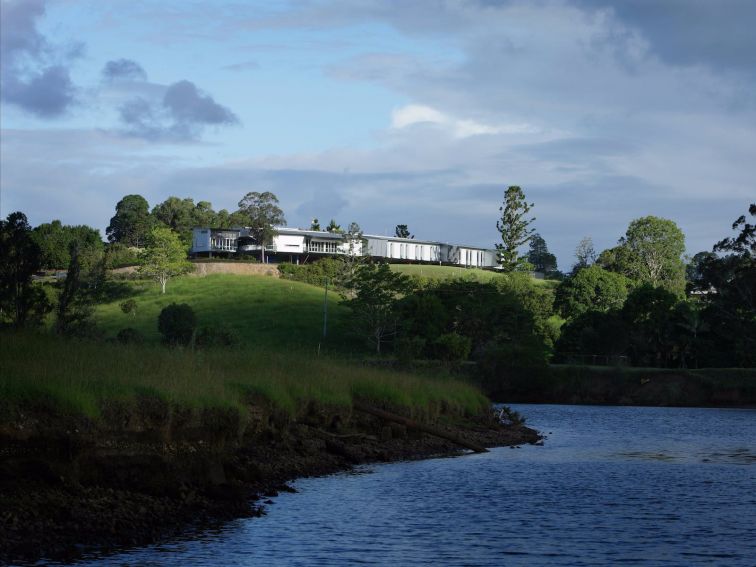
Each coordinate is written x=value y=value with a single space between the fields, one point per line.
x=325 y=310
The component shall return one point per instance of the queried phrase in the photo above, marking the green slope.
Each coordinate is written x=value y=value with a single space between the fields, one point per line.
x=262 y=310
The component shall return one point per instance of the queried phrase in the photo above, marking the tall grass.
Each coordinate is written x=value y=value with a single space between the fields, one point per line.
x=81 y=376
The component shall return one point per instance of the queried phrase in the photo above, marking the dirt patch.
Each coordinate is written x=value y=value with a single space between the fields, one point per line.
x=243 y=269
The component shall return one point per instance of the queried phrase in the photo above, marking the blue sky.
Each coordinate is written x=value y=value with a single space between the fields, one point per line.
x=386 y=112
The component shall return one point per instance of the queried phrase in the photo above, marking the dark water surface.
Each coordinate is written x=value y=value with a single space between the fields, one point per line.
x=611 y=485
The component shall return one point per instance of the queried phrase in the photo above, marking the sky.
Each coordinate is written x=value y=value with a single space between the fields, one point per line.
x=386 y=112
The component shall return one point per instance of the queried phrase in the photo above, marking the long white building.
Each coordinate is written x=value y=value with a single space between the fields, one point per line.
x=297 y=245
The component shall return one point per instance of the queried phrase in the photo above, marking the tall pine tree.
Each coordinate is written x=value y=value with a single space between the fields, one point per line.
x=514 y=229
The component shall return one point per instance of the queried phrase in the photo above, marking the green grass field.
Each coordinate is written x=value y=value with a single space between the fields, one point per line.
x=262 y=310
x=80 y=377
x=453 y=272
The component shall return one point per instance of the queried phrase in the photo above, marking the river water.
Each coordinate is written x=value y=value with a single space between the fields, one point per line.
x=650 y=486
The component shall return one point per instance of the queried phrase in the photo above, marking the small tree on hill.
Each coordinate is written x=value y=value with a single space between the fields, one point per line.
x=514 y=230
x=261 y=213
x=585 y=254
x=402 y=231
x=164 y=257
x=376 y=290
x=539 y=255
x=177 y=323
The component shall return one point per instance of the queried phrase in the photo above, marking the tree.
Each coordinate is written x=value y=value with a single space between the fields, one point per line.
x=261 y=213
x=373 y=304
x=164 y=257
x=355 y=244
x=402 y=231
x=539 y=256
x=178 y=215
x=655 y=247
x=21 y=301
x=591 y=289
x=585 y=254
x=177 y=323
x=54 y=240
x=333 y=227
x=315 y=224
x=73 y=315
x=514 y=230
x=131 y=223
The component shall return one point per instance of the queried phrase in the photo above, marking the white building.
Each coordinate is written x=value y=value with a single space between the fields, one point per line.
x=297 y=245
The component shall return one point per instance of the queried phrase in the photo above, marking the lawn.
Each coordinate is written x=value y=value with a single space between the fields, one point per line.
x=262 y=310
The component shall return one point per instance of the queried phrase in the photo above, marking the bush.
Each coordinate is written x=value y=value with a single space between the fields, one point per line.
x=177 y=323
x=409 y=348
x=209 y=337
x=314 y=273
x=118 y=255
x=130 y=336
x=129 y=307
x=453 y=347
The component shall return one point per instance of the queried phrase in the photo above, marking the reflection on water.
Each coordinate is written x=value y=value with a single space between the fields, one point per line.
x=650 y=486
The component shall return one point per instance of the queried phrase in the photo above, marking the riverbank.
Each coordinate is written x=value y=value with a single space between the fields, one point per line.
x=68 y=487
x=628 y=386
x=106 y=446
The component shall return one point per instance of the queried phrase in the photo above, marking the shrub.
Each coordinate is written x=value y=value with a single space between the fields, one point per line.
x=177 y=324
x=130 y=336
x=409 y=348
x=129 y=307
x=209 y=337
x=453 y=347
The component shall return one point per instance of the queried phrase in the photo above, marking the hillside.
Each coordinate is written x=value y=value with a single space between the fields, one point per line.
x=431 y=271
x=261 y=310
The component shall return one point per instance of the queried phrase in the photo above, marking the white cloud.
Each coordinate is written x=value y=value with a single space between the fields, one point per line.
x=418 y=114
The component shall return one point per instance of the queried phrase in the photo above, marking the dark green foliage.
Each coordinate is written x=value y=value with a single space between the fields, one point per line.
x=73 y=315
x=119 y=255
x=409 y=348
x=591 y=289
x=402 y=231
x=694 y=271
x=315 y=225
x=593 y=333
x=513 y=227
x=372 y=300
x=22 y=302
x=54 y=240
x=314 y=273
x=129 y=336
x=508 y=314
x=214 y=337
x=539 y=256
x=177 y=324
x=132 y=222
x=452 y=347
x=129 y=307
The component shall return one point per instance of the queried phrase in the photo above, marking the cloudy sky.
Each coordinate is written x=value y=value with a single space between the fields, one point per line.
x=418 y=112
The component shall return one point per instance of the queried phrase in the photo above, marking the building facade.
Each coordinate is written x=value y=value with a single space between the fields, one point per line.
x=298 y=245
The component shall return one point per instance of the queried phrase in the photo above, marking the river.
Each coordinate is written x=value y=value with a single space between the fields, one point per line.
x=631 y=485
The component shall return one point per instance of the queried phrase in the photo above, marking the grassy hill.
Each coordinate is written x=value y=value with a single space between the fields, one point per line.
x=452 y=272
x=263 y=311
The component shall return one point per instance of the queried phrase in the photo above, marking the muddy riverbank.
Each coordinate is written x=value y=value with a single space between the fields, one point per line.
x=69 y=485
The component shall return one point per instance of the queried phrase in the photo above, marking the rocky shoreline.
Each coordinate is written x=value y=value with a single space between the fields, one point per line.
x=70 y=487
